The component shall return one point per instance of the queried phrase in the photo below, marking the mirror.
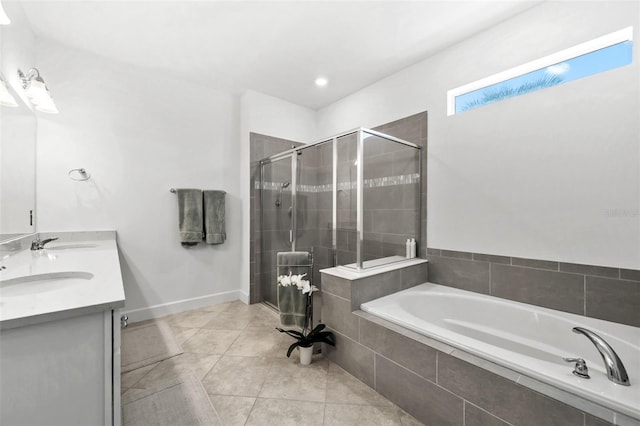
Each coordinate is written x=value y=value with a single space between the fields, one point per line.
x=17 y=171
x=17 y=143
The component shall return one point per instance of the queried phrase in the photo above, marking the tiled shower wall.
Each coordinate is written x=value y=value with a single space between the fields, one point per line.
x=413 y=129
x=276 y=232
x=390 y=194
x=391 y=214
x=612 y=294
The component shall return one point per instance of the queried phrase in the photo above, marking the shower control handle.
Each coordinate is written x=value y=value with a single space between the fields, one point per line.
x=580 y=368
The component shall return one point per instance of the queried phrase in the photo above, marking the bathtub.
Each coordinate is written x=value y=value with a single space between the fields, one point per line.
x=528 y=339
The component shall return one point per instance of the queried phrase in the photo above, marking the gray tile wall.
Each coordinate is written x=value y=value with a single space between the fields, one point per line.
x=413 y=129
x=612 y=294
x=427 y=378
x=262 y=265
x=391 y=211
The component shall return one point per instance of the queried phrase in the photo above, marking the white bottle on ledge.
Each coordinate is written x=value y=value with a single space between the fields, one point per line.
x=413 y=248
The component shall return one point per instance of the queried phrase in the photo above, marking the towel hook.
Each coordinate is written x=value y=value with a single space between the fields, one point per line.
x=84 y=175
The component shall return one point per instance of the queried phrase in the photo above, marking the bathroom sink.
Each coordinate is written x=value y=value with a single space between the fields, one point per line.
x=70 y=246
x=39 y=283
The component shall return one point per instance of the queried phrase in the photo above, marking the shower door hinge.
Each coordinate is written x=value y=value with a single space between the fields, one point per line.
x=290 y=235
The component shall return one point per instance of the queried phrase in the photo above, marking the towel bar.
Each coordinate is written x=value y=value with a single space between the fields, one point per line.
x=173 y=191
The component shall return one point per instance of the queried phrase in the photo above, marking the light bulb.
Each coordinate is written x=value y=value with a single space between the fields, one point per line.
x=48 y=107
x=4 y=19
x=37 y=91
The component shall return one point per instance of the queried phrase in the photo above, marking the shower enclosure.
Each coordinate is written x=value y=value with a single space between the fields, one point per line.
x=352 y=200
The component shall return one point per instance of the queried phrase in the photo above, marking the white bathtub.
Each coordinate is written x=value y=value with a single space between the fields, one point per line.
x=525 y=338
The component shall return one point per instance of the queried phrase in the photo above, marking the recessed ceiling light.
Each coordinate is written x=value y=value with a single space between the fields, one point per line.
x=321 y=81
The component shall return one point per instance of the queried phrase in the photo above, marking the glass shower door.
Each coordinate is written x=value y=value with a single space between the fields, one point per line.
x=277 y=220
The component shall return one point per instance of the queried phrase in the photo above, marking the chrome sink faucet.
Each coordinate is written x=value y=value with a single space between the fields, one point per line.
x=38 y=244
x=613 y=364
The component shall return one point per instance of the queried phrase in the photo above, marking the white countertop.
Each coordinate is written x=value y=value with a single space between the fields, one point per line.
x=373 y=267
x=104 y=291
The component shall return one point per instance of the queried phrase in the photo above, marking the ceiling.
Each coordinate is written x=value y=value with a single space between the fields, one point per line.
x=274 y=47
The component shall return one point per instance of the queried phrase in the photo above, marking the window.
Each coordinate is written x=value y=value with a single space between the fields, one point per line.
x=602 y=54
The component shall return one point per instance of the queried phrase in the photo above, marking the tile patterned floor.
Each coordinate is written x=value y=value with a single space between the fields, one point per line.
x=240 y=359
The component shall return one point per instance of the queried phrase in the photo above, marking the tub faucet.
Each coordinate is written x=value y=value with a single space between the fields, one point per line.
x=38 y=244
x=615 y=369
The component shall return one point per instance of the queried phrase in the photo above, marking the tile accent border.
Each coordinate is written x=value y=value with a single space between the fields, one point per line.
x=611 y=294
x=343 y=186
x=434 y=382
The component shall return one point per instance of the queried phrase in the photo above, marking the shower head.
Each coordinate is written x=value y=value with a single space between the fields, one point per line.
x=279 y=198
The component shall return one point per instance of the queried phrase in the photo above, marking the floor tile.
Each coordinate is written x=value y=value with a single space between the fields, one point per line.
x=187 y=363
x=290 y=380
x=229 y=320
x=261 y=341
x=183 y=334
x=233 y=410
x=283 y=412
x=233 y=351
x=206 y=341
x=180 y=402
x=217 y=308
x=360 y=415
x=129 y=379
x=147 y=343
x=191 y=319
x=343 y=388
x=237 y=376
x=264 y=317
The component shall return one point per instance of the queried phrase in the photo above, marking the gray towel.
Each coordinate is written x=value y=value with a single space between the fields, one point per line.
x=291 y=302
x=214 y=207
x=190 y=215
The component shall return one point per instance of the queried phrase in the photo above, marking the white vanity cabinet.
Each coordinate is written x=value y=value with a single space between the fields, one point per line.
x=62 y=372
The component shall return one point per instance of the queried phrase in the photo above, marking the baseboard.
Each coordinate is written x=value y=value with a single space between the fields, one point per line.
x=243 y=296
x=158 y=311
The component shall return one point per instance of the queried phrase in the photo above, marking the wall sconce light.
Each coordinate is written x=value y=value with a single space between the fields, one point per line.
x=37 y=91
x=6 y=98
x=4 y=19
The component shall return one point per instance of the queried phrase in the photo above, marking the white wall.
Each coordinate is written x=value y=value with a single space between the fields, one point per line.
x=551 y=175
x=18 y=128
x=139 y=133
x=260 y=113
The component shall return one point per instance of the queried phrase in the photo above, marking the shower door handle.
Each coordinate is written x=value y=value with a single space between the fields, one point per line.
x=290 y=235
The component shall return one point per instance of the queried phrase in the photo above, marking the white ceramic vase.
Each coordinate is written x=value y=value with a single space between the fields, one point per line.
x=305 y=355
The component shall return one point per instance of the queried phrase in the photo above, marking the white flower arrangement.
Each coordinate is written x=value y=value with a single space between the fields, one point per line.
x=303 y=285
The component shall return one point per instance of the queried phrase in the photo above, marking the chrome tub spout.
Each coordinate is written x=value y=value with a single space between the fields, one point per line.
x=613 y=364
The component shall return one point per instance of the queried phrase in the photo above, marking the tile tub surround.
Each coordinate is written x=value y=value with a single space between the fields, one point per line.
x=439 y=384
x=611 y=294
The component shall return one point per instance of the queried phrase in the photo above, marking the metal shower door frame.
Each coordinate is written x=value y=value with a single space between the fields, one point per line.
x=293 y=154
x=294 y=182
